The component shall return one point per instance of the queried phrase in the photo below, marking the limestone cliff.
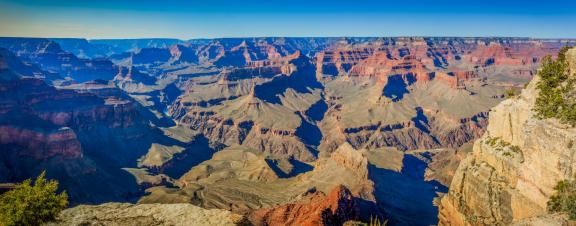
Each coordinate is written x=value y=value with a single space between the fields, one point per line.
x=514 y=167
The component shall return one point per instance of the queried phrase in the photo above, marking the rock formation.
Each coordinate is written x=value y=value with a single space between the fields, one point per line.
x=513 y=168
x=314 y=209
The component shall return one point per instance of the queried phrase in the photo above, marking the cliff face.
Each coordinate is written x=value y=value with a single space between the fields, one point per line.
x=514 y=166
x=42 y=144
x=64 y=131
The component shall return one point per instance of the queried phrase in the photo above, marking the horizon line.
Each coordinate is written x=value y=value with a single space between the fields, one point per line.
x=260 y=37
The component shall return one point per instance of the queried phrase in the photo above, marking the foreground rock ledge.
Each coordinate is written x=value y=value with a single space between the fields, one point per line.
x=147 y=214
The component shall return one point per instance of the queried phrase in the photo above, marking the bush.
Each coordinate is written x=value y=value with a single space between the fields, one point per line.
x=565 y=198
x=32 y=203
x=375 y=221
x=556 y=90
x=511 y=92
x=515 y=149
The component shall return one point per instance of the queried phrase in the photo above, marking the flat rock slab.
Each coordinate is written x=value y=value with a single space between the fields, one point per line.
x=146 y=214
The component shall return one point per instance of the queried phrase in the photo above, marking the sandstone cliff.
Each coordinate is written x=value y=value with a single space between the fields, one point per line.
x=513 y=168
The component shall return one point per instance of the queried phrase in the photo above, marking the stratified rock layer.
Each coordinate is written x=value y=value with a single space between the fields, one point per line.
x=513 y=168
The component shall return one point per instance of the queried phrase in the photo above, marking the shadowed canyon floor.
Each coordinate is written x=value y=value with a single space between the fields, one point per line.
x=266 y=128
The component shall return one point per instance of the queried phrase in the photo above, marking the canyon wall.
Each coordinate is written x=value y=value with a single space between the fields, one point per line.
x=514 y=167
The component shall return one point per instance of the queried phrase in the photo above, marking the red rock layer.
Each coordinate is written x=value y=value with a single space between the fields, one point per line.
x=42 y=144
x=422 y=58
x=334 y=62
x=44 y=121
x=316 y=209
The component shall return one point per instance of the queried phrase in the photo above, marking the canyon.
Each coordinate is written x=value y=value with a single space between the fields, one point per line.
x=274 y=131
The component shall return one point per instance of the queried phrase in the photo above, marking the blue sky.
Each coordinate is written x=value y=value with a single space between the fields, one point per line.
x=235 y=18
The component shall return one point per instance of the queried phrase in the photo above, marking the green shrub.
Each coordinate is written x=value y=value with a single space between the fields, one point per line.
x=375 y=221
x=32 y=203
x=492 y=141
x=515 y=149
x=556 y=90
x=511 y=92
x=565 y=198
x=497 y=142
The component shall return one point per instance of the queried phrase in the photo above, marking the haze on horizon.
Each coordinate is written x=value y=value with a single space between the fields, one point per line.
x=298 y=18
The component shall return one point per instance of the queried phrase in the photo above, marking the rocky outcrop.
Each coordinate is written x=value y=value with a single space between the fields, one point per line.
x=351 y=159
x=513 y=168
x=147 y=214
x=314 y=209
